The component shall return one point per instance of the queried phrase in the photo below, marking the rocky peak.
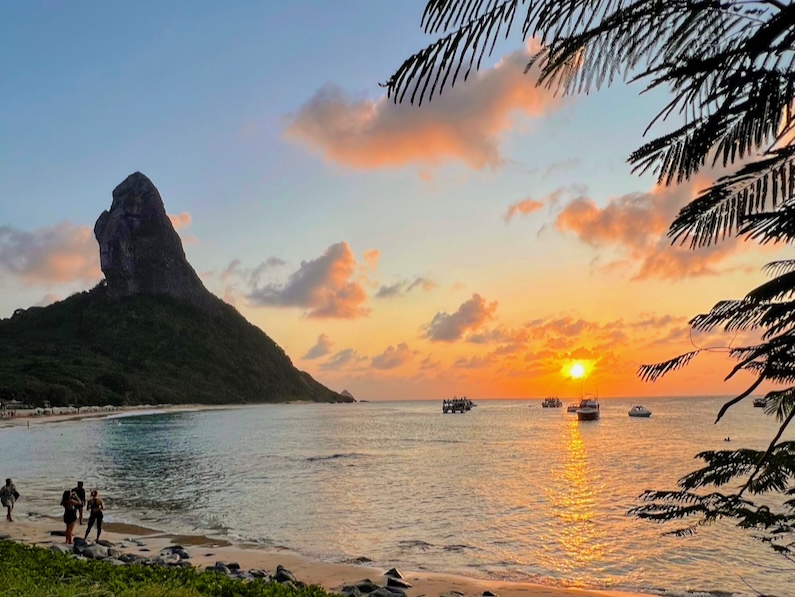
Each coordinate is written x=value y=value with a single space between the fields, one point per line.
x=139 y=250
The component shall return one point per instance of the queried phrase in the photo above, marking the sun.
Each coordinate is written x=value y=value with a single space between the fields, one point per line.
x=577 y=370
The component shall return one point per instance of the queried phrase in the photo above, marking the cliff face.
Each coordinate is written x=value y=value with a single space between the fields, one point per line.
x=140 y=252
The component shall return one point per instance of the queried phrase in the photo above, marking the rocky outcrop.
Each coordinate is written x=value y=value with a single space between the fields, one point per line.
x=347 y=394
x=140 y=252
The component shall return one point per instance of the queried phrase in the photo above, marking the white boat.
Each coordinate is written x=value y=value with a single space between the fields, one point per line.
x=759 y=402
x=588 y=409
x=572 y=408
x=552 y=402
x=639 y=411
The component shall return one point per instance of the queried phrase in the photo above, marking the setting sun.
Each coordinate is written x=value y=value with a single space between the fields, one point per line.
x=577 y=370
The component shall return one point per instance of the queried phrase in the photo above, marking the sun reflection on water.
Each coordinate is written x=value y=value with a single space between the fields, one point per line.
x=581 y=540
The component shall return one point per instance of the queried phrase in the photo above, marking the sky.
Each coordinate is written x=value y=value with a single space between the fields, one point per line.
x=478 y=245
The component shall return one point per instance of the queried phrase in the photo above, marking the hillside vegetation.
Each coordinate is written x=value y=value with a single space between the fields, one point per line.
x=91 y=350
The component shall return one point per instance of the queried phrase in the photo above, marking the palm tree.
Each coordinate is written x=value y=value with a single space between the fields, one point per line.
x=729 y=66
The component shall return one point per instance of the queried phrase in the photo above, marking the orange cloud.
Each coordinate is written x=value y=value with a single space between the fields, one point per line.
x=343 y=359
x=525 y=207
x=180 y=220
x=471 y=315
x=61 y=254
x=371 y=257
x=463 y=124
x=321 y=348
x=637 y=224
x=322 y=285
x=392 y=357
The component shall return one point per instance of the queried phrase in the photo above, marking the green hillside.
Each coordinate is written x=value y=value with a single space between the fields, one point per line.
x=90 y=350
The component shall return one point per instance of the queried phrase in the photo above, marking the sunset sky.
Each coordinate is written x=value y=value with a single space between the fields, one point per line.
x=478 y=245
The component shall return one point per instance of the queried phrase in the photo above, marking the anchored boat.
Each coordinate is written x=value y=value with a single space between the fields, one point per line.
x=588 y=409
x=639 y=411
x=457 y=405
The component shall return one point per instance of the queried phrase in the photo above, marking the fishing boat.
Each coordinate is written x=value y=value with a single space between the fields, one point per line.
x=759 y=402
x=588 y=409
x=639 y=411
x=552 y=402
x=572 y=408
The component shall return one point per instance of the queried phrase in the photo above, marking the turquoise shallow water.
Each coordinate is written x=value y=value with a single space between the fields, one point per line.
x=509 y=490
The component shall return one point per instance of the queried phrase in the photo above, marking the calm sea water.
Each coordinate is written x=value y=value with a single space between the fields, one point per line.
x=509 y=490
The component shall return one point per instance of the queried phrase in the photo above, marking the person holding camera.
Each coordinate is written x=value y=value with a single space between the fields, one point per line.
x=70 y=503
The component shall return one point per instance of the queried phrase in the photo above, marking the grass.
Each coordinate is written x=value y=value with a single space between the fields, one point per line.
x=36 y=572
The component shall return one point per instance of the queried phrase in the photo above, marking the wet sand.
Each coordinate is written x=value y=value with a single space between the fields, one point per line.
x=206 y=551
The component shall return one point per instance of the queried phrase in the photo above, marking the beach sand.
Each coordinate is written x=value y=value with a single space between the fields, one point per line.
x=206 y=551
x=26 y=418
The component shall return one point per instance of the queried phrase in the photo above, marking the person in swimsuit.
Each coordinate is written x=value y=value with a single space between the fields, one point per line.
x=95 y=508
x=70 y=503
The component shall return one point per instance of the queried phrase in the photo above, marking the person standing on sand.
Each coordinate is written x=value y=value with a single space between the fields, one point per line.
x=95 y=508
x=70 y=503
x=80 y=492
x=8 y=495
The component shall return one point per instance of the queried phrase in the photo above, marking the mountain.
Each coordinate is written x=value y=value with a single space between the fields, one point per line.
x=149 y=333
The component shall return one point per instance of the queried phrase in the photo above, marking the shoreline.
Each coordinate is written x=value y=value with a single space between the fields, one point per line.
x=28 y=419
x=35 y=529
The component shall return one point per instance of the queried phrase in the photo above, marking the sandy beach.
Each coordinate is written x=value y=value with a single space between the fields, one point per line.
x=28 y=418
x=206 y=551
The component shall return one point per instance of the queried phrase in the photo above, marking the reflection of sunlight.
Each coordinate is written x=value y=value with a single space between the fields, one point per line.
x=580 y=537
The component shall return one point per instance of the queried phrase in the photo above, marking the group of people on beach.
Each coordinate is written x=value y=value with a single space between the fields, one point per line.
x=73 y=501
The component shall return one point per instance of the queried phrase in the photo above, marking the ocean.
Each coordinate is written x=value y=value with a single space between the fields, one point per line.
x=508 y=490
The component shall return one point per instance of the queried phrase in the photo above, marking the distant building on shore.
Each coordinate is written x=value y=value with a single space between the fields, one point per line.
x=14 y=405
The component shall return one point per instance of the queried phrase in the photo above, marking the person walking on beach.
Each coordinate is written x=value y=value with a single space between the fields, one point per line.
x=80 y=492
x=95 y=508
x=70 y=503
x=8 y=495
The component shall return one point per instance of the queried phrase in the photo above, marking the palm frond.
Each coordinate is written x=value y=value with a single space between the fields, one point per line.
x=429 y=71
x=721 y=208
x=656 y=371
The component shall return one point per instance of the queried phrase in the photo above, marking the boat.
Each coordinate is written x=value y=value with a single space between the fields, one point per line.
x=588 y=409
x=572 y=408
x=552 y=402
x=457 y=405
x=759 y=402
x=639 y=411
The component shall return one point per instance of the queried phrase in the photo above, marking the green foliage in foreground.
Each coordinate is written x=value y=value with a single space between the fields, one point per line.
x=34 y=572
x=90 y=350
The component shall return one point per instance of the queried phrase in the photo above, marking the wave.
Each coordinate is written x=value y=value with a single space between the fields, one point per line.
x=335 y=457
